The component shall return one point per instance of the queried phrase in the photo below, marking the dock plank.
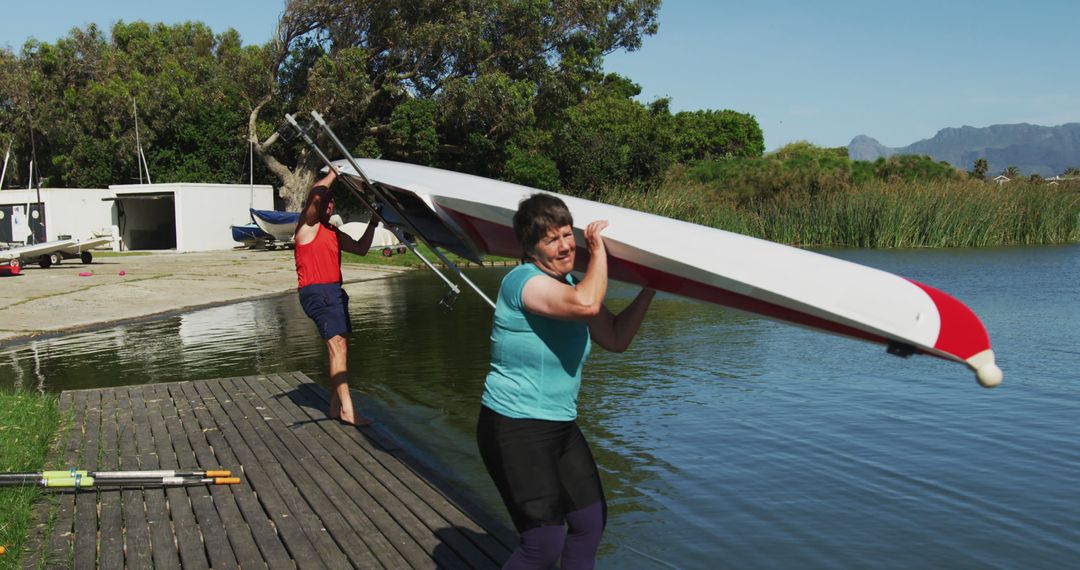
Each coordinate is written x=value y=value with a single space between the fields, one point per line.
x=136 y=529
x=314 y=493
x=439 y=514
x=110 y=516
x=60 y=541
x=219 y=499
x=263 y=530
x=366 y=474
x=185 y=529
x=268 y=476
x=162 y=538
x=323 y=524
x=85 y=550
x=328 y=489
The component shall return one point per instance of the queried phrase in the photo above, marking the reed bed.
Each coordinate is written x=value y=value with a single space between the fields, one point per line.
x=875 y=214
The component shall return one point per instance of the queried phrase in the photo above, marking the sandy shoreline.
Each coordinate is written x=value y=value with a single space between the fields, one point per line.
x=48 y=302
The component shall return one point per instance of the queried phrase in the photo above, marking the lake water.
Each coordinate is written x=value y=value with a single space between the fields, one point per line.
x=724 y=440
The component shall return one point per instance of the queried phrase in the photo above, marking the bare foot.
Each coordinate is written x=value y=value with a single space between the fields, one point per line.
x=347 y=416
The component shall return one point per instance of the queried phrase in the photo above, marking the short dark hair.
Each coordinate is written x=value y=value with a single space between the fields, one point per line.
x=536 y=216
x=320 y=192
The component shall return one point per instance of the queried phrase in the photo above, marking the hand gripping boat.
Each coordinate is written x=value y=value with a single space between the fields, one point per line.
x=473 y=216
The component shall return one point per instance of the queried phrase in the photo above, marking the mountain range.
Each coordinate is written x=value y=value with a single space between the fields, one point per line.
x=1034 y=149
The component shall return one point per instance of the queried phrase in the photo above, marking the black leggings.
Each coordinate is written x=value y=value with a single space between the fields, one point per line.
x=542 y=469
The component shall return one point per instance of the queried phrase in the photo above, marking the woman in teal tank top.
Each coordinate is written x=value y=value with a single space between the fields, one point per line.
x=527 y=432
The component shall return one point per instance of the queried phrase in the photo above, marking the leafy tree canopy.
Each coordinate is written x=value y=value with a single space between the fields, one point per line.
x=502 y=88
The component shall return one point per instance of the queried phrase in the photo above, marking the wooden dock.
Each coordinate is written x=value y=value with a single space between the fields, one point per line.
x=314 y=493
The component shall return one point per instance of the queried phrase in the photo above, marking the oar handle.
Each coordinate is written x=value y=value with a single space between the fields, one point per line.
x=167 y=481
x=102 y=475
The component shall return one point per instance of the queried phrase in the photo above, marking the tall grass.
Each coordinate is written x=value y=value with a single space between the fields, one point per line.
x=28 y=424
x=876 y=214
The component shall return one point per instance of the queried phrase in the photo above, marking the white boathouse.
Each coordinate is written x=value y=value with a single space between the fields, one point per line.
x=178 y=216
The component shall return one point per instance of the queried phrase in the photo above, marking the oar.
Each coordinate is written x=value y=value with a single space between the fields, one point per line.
x=116 y=474
x=80 y=481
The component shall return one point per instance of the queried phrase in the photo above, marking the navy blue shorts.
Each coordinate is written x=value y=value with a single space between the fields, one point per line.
x=328 y=305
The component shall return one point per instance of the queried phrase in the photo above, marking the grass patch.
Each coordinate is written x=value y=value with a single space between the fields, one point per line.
x=28 y=425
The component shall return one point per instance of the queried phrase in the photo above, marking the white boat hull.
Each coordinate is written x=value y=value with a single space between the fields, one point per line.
x=749 y=274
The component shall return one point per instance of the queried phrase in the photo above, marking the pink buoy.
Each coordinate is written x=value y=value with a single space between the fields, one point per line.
x=122 y=273
x=85 y=274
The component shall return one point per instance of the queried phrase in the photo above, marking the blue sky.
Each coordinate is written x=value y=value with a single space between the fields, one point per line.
x=818 y=71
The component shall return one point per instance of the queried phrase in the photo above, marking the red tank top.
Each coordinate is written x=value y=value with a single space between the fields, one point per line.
x=319 y=261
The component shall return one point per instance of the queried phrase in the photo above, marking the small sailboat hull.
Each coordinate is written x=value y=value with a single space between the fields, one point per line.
x=249 y=234
x=279 y=225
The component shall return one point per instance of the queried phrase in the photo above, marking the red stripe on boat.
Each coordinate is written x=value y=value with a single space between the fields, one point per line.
x=962 y=333
x=491 y=238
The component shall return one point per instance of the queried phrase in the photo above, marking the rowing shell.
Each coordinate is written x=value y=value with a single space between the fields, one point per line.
x=473 y=216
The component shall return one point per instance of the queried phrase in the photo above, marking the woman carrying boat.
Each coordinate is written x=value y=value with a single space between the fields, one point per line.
x=527 y=431
x=317 y=250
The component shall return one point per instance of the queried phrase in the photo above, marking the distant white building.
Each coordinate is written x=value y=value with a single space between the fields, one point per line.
x=1001 y=179
x=180 y=216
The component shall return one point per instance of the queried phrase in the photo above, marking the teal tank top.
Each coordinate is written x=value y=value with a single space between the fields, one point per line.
x=536 y=361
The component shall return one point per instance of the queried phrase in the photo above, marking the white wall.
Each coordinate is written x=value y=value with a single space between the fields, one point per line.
x=204 y=212
x=78 y=212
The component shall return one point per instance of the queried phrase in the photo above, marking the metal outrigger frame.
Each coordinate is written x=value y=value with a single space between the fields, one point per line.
x=376 y=195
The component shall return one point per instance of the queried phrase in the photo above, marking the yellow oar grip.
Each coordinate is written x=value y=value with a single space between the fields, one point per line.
x=70 y=482
x=227 y=481
x=224 y=473
x=61 y=474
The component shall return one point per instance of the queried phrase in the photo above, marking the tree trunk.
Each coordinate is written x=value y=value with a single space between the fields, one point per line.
x=294 y=183
x=295 y=188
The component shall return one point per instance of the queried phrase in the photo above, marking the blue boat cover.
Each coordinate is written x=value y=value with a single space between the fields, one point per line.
x=249 y=232
x=274 y=216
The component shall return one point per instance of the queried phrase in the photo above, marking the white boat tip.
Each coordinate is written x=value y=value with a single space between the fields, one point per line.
x=986 y=370
x=989 y=376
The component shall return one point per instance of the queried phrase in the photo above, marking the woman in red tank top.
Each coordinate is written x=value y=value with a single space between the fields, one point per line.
x=317 y=250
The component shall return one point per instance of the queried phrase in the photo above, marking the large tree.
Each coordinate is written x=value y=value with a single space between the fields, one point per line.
x=512 y=89
x=488 y=65
x=81 y=94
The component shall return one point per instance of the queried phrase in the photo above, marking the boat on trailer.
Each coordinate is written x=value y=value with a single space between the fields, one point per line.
x=81 y=249
x=250 y=235
x=49 y=253
x=279 y=225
